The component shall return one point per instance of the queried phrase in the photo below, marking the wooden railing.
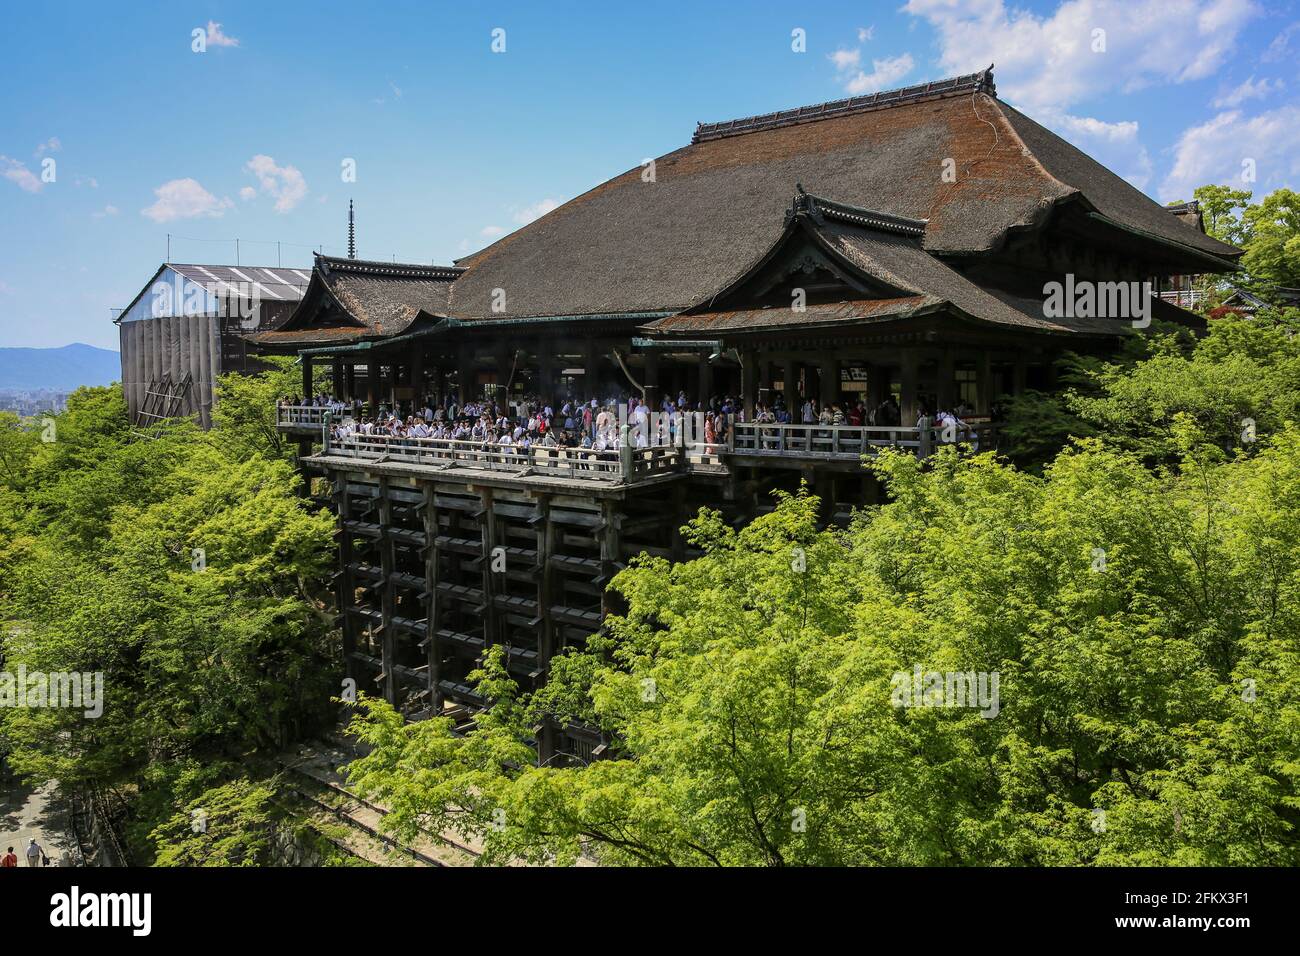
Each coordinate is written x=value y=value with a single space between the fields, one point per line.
x=624 y=464
x=304 y=416
x=850 y=441
x=630 y=462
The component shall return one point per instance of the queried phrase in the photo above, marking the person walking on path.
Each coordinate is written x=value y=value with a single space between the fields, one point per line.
x=34 y=853
x=9 y=861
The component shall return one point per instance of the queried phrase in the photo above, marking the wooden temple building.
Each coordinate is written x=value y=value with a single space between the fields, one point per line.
x=896 y=244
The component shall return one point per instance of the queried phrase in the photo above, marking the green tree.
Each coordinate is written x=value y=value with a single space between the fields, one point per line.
x=1143 y=625
x=183 y=567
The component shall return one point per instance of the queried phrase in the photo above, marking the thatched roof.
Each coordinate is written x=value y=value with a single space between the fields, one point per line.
x=872 y=251
x=350 y=300
x=639 y=243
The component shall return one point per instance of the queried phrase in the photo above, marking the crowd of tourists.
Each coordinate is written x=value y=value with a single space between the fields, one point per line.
x=529 y=421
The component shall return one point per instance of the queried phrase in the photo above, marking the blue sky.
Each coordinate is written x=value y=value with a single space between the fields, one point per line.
x=455 y=145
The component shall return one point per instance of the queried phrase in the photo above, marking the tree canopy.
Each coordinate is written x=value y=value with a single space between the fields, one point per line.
x=185 y=568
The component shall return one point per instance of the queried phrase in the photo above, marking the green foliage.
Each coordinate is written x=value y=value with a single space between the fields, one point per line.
x=1243 y=371
x=1221 y=208
x=1273 y=246
x=243 y=415
x=1268 y=231
x=752 y=706
x=236 y=824
x=181 y=567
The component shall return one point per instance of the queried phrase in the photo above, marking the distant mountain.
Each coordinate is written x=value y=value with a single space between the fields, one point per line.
x=61 y=369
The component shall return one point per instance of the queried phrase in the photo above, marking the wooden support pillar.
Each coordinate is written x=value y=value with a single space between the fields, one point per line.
x=946 y=381
x=1019 y=375
x=611 y=553
x=417 y=379
x=830 y=380
x=466 y=388
x=387 y=562
x=706 y=380
x=502 y=358
x=345 y=590
x=546 y=372
x=764 y=378
x=790 y=384
x=488 y=530
x=749 y=382
x=336 y=374
x=306 y=377
x=432 y=652
x=372 y=385
x=591 y=369
x=350 y=381
x=909 y=365
x=546 y=636
x=984 y=384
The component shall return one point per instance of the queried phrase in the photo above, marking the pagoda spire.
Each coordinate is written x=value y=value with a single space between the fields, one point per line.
x=352 y=233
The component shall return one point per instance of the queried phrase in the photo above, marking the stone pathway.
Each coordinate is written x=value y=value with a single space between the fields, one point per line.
x=26 y=813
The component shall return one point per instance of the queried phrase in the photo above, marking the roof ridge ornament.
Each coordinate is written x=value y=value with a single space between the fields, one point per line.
x=981 y=82
x=818 y=209
x=403 y=270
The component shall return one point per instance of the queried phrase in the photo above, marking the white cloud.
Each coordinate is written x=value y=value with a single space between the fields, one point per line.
x=491 y=232
x=1115 y=145
x=865 y=34
x=1087 y=51
x=1218 y=150
x=535 y=211
x=1050 y=61
x=247 y=192
x=184 y=199
x=845 y=59
x=90 y=181
x=51 y=145
x=217 y=38
x=5 y=288
x=884 y=73
x=1123 y=131
x=285 y=183
x=1277 y=49
x=1246 y=91
x=16 y=172
x=109 y=210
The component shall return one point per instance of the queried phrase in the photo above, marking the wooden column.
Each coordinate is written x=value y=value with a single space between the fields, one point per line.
x=591 y=357
x=830 y=380
x=345 y=589
x=350 y=381
x=466 y=389
x=306 y=376
x=651 y=380
x=372 y=385
x=706 y=379
x=944 y=386
x=387 y=562
x=417 y=379
x=488 y=531
x=790 y=385
x=764 y=378
x=611 y=551
x=546 y=372
x=909 y=364
x=749 y=381
x=433 y=654
x=984 y=384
